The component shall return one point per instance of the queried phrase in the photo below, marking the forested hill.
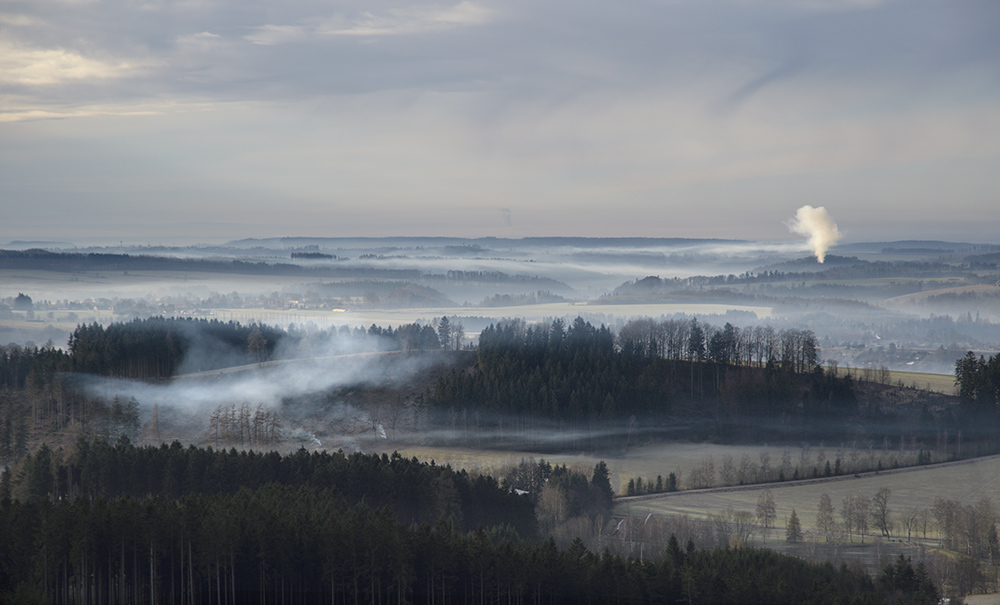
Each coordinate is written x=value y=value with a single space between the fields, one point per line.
x=413 y=491
x=583 y=373
x=67 y=262
x=210 y=528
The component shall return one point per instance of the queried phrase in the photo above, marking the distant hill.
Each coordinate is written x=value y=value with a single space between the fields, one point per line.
x=915 y=247
x=810 y=264
x=43 y=260
x=474 y=244
x=990 y=260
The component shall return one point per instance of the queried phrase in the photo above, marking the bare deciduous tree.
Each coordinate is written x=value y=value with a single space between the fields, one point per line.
x=727 y=474
x=825 y=521
x=881 y=513
x=910 y=521
x=747 y=469
x=766 y=510
x=743 y=526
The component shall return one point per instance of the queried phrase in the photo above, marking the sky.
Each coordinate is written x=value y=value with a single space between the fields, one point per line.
x=209 y=120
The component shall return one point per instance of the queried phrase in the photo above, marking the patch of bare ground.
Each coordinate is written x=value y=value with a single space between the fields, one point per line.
x=897 y=398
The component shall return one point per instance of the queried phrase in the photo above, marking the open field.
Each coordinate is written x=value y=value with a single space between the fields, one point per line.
x=938 y=383
x=645 y=461
x=965 y=481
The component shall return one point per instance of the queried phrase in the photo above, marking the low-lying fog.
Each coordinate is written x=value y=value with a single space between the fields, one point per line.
x=925 y=312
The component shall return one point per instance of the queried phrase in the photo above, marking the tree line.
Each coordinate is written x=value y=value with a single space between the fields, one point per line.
x=584 y=373
x=562 y=373
x=244 y=426
x=412 y=490
x=680 y=339
x=70 y=262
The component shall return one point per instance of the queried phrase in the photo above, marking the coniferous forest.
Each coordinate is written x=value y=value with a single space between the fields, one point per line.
x=121 y=524
x=586 y=375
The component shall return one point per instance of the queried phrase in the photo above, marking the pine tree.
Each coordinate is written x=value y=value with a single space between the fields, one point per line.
x=793 y=532
x=601 y=480
x=444 y=333
x=40 y=478
x=154 y=424
x=21 y=438
x=7 y=440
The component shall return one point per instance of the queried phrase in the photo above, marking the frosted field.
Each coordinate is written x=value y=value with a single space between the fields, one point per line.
x=966 y=482
x=915 y=488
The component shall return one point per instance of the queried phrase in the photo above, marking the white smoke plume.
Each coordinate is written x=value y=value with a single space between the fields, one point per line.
x=816 y=224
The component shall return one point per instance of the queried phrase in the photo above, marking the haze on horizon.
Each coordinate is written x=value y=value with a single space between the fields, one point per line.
x=226 y=119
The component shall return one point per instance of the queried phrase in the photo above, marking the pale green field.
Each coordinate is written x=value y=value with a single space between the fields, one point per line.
x=646 y=462
x=938 y=383
x=966 y=482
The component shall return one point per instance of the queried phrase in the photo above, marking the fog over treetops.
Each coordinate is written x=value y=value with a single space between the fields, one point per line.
x=906 y=304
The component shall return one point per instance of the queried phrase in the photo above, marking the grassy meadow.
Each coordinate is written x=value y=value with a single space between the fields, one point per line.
x=938 y=383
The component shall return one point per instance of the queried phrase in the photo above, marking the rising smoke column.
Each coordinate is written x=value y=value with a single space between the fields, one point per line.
x=817 y=225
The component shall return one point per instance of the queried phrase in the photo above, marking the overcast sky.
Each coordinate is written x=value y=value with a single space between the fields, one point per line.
x=217 y=119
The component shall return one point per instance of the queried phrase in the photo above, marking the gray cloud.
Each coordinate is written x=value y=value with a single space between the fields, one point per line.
x=549 y=110
x=261 y=49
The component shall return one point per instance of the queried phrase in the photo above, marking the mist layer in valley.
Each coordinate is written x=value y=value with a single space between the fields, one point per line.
x=914 y=306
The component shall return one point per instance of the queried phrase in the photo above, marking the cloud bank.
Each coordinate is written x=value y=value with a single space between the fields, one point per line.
x=424 y=118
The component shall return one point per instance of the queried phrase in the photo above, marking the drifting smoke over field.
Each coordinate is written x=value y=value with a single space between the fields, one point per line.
x=816 y=224
x=267 y=385
x=299 y=385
